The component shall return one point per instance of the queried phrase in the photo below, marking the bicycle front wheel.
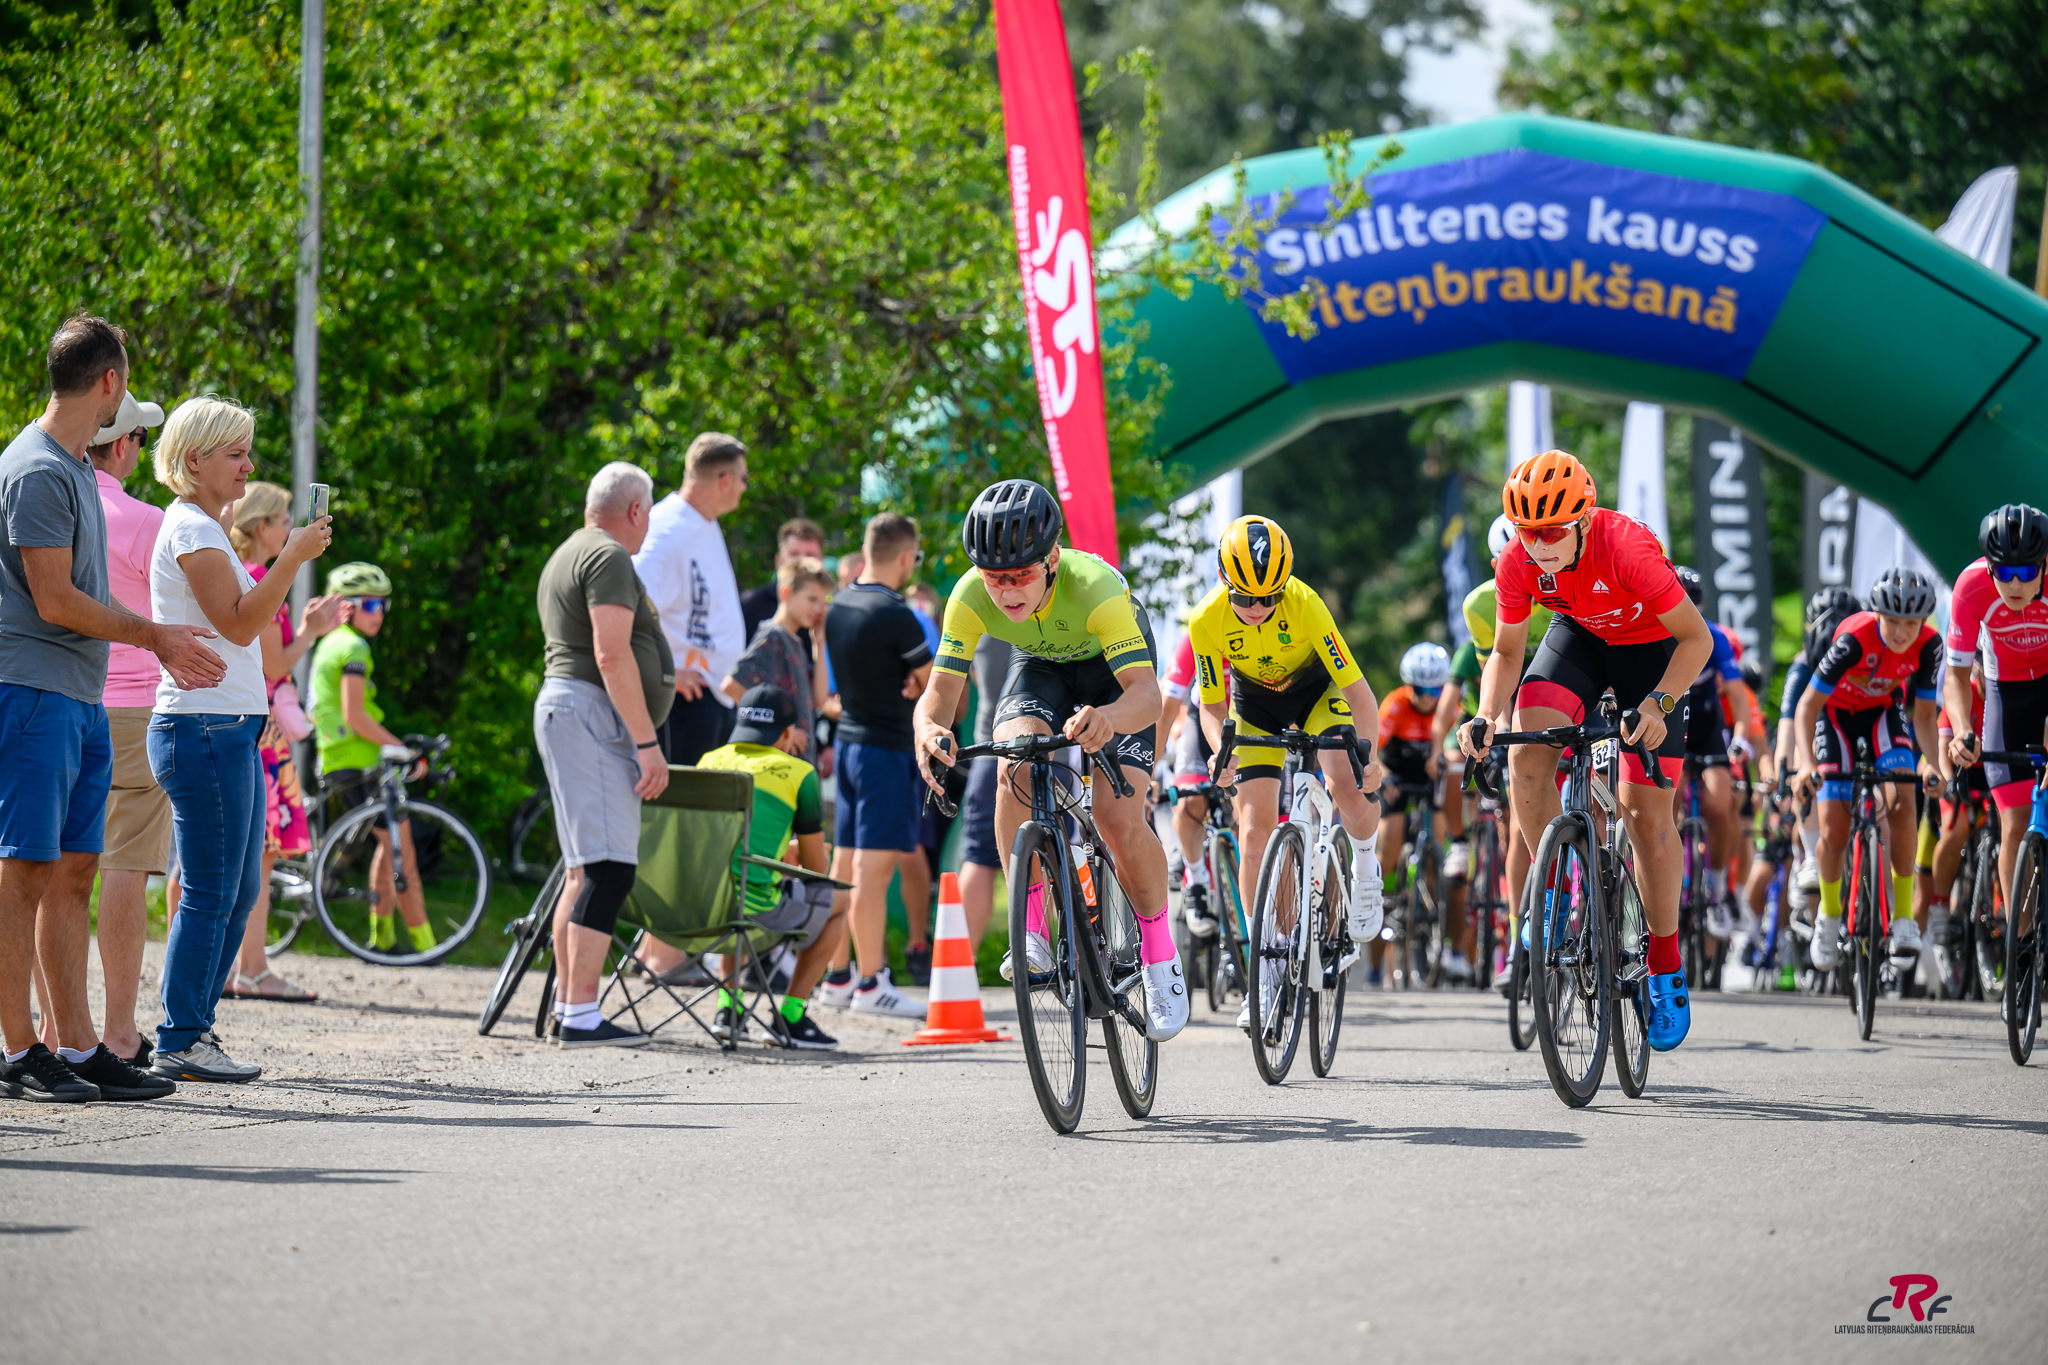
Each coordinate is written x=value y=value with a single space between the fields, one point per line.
x=291 y=904
x=1631 y=985
x=1052 y=1015
x=531 y=935
x=1570 y=962
x=1279 y=956
x=1326 y=1001
x=1133 y=1057
x=1866 y=944
x=355 y=883
x=2024 y=955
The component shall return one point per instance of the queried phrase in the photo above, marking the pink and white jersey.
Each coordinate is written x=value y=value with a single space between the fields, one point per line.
x=2015 y=643
x=1180 y=679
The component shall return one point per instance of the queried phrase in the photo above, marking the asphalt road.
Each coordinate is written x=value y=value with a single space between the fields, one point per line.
x=399 y=1190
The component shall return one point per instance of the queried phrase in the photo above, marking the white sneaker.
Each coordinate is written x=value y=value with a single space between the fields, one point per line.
x=1037 y=956
x=835 y=997
x=1720 y=923
x=1367 y=912
x=1807 y=880
x=1457 y=966
x=883 y=998
x=1905 y=945
x=1458 y=860
x=1195 y=908
x=1826 y=948
x=1166 y=1000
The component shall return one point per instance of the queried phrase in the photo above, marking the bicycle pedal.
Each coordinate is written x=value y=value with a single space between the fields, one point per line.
x=1635 y=972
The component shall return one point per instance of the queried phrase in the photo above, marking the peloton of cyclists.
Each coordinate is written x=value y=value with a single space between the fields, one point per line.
x=1084 y=668
x=1622 y=620
x=1707 y=738
x=1410 y=751
x=1289 y=667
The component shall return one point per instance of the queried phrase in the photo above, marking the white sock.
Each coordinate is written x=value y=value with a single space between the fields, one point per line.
x=1195 y=873
x=14 y=1057
x=74 y=1056
x=1365 y=861
x=584 y=1016
x=1717 y=882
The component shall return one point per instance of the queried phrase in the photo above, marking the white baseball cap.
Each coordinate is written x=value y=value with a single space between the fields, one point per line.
x=134 y=413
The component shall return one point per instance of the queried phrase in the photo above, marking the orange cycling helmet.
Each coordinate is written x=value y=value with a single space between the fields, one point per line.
x=1551 y=489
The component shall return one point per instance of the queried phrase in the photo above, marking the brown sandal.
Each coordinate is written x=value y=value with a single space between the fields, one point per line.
x=242 y=987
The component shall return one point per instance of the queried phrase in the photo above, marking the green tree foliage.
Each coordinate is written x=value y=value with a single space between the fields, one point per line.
x=1239 y=80
x=555 y=235
x=1908 y=99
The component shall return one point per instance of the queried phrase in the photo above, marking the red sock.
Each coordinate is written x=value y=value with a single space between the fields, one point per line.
x=1664 y=955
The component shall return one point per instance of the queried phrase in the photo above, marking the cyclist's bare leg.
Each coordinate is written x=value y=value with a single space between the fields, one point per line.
x=1189 y=815
x=1358 y=811
x=1834 y=838
x=1013 y=808
x=1392 y=833
x=1948 y=851
x=1660 y=863
x=1126 y=827
x=978 y=898
x=1532 y=777
x=2012 y=827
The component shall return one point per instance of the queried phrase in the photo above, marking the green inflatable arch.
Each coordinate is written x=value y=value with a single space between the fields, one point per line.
x=1755 y=288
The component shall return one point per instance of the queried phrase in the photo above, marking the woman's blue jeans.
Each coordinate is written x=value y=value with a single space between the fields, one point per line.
x=210 y=768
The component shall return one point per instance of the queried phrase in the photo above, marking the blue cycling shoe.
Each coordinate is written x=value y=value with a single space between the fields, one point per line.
x=1670 y=1011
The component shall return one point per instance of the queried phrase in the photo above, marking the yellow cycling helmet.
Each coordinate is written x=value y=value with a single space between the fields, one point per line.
x=1257 y=558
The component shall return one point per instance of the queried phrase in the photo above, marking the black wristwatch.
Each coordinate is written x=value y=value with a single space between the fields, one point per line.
x=1664 y=700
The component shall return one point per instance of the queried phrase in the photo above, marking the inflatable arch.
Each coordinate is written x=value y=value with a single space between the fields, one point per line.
x=1755 y=288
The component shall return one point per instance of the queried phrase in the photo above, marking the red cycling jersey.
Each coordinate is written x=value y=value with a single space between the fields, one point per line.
x=1399 y=719
x=1620 y=585
x=2015 y=643
x=1858 y=673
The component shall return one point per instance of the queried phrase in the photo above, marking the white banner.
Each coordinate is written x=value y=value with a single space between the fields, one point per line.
x=1641 y=494
x=1980 y=225
x=1528 y=422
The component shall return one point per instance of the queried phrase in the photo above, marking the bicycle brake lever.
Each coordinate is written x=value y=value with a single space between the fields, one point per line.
x=1223 y=750
x=1632 y=720
x=1118 y=783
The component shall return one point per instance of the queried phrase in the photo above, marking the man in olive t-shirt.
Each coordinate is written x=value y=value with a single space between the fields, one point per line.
x=609 y=682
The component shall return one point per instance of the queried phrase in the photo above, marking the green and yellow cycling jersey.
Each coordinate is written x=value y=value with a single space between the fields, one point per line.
x=1089 y=615
x=1480 y=607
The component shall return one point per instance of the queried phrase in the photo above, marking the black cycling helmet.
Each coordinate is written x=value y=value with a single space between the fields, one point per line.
x=1835 y=602
x=1903 y=592
x=1012 y=524
x=1689 y=579
x=1752 y=673
x=2014 y=534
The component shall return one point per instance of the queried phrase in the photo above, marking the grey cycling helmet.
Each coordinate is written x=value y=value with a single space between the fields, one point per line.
x=2014 y=534
x=1426 y=666
x=1012 y=524
x=1903 y=592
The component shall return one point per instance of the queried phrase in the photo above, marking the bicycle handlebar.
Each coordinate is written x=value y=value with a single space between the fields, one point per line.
x=1301 y=743
x=1024 y=749
x=1587 y=732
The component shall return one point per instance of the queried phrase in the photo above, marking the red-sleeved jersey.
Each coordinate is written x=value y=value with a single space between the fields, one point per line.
x=1620 y=585
x=1976 y=712
x=2015 y=643
x=1399 y=718
x=1180 y=679
x=1859 y=673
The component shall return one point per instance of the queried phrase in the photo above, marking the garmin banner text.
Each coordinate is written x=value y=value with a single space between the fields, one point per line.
x=1525 y=246
x=1732 y=537
x=1049 y=204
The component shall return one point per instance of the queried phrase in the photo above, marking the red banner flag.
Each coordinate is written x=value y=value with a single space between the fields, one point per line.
x=1049 y=202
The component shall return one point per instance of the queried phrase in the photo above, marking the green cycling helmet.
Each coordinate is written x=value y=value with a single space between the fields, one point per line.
x=359 y=580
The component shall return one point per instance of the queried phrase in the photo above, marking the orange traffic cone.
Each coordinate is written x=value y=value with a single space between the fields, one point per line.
x=954 y=1015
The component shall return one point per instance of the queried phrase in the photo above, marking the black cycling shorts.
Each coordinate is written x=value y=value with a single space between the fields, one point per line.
x=1706 y=729
x=1574 y=667
x=1836 y=732
x=2014 y=713
x=1407 y=762
x=1051 y=690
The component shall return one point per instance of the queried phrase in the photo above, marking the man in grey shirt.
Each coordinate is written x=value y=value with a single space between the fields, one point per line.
x=56 y=616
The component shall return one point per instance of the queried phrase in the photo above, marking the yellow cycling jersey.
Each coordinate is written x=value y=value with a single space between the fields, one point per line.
x=1089 y=615
x=1300 y=632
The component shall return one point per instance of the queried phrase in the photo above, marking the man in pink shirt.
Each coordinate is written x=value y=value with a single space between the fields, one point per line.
x=138 y=812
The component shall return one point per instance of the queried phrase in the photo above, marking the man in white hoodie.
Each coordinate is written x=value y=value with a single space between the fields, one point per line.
x=689 y=578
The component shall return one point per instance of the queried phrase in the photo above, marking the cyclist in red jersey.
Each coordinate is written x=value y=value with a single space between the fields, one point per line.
x=1855 y=695
x=1998 y=608
x=1621 y=621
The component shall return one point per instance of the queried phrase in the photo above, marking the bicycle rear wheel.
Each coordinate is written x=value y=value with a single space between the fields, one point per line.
x=531 y=844
x=1692 y=929
x=1052 y=1016
x=351 y=866
x=1631 y=985
x=1571 y=963
x=1279 y=958
x=1866 y=942
x=1988 y=949
x=1227 y=963
x=1521 y=997
x=531 y=934
x=1133 y=1057
x=1326 y=1001
x=2024 y=954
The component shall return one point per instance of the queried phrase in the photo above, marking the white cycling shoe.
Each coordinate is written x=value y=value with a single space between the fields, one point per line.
x=1037 y=956
x=1826 y=948
x=1166 y=1000
x=1368 y=912
x=1905 y=944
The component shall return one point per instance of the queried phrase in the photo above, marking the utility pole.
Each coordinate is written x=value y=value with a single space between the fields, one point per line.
x=306 y=334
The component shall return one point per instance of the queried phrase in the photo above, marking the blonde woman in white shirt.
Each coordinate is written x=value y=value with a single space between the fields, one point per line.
x=203 y=744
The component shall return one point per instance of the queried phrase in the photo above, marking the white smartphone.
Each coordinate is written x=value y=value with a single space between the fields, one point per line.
x=316 y=501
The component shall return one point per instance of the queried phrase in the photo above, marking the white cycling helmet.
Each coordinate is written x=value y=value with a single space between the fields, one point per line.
x=1426 y=665
x=1499 y=536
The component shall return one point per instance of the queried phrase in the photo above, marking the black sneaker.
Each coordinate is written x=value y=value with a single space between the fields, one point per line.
x=918 y=962
x=606 y=1034
x=805 y=1035
x=729 y=1025
x=43 y=1075
x=119 y=1080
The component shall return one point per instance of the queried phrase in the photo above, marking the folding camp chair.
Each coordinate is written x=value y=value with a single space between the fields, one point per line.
x=689 y=894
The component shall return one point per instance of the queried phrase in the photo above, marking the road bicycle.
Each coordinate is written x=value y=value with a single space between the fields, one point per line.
x=1864 y=971
x=1221 y=956
x=531 y=845
x=532 y=948
x=1091 y=928
x=1588 y=935
x=1486 y=900
x=2026 y=955
x=1301 y=932
x=400 y=842
x=1415 y=929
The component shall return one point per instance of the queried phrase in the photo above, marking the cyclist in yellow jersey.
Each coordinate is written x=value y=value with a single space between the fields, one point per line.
x=1292 y=669
x=1083 y=668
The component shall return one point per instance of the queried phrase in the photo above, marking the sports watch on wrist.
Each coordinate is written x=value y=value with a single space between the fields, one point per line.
x=1664 y=700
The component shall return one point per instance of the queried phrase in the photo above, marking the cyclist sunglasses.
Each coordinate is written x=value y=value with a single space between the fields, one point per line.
x=1014 y=578
x=1544 y=535
x=1427 y=693
x=1245 y=599
x=370 y=604
x=2016 y=573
